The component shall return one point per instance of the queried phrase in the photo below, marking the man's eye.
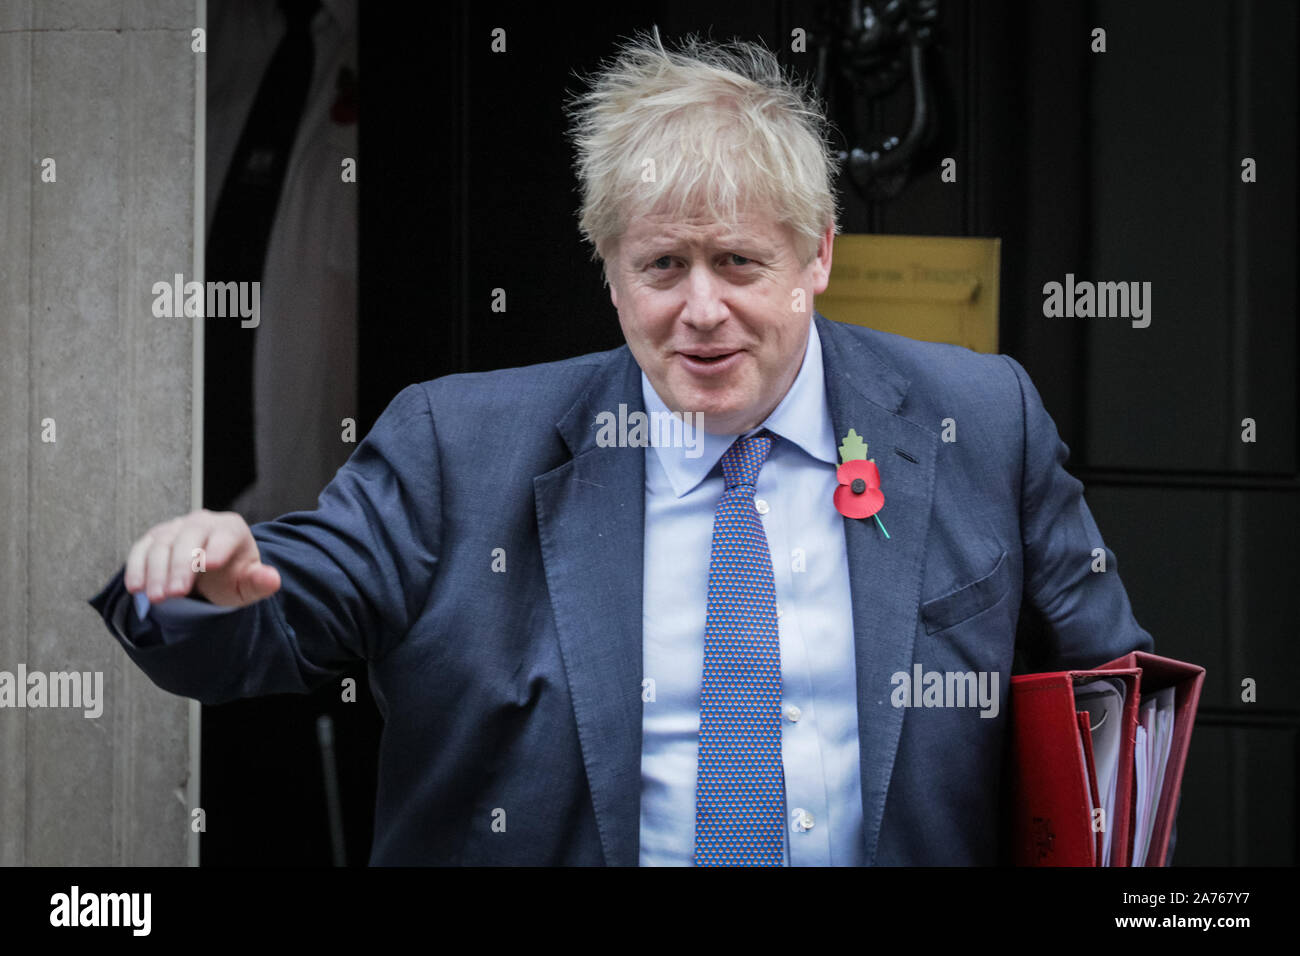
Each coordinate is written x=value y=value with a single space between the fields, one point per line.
x=738 y=259
x=663 y=262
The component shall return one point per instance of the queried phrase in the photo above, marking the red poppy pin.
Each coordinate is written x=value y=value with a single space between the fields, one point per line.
x=858 y=494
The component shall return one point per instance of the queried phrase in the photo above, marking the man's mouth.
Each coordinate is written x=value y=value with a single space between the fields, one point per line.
x=712 y=355
x=710 y=361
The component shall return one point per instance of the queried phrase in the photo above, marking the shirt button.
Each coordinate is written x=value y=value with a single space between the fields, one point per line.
x=802 y=820
x=792 y=713
x=779 y=612
x=761 y=505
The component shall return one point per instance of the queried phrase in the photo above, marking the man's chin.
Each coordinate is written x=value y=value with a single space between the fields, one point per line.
x=692 y=401
x=724 y=406
x=726 y=420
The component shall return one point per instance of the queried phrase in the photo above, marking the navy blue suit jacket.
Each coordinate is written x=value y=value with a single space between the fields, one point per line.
x=520 y=690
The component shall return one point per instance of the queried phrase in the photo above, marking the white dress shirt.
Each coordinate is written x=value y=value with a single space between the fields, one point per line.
x=805 y=534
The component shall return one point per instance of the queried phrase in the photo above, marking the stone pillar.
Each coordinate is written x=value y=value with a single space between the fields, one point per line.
x=100 y=170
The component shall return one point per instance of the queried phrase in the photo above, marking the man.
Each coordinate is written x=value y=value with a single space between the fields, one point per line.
x=590 y=649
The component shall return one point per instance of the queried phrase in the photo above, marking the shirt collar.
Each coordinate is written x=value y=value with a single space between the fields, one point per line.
x=803 y=418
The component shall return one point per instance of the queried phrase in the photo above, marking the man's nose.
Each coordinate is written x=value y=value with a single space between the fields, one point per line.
x=705 y=306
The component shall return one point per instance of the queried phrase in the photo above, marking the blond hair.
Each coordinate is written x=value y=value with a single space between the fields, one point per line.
x=707 y=129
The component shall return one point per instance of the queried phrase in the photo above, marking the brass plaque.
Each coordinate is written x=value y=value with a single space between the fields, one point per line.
x=934 y=288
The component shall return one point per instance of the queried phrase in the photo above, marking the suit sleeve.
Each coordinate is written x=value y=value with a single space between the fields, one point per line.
x=354 y=575
x=1089 y=618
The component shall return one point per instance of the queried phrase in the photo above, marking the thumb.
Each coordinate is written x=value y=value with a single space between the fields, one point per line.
x=258 y=581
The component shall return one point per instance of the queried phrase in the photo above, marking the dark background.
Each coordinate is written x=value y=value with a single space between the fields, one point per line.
x=1117 y=166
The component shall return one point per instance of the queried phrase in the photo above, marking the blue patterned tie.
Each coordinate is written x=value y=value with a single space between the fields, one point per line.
x=740 y=786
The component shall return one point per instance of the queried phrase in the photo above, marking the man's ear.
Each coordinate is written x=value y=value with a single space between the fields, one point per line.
x=821 y=263
x=607 y=265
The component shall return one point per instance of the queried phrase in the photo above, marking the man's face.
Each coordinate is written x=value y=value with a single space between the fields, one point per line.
x=718 y=320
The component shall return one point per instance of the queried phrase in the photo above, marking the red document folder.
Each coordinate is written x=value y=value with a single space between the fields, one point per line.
x=1051 y=822
x=1186 y=679
x=1051 y=754
x=1084 y=721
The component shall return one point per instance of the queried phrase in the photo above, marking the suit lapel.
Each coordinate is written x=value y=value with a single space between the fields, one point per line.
x=885 y=574
x=590 y=517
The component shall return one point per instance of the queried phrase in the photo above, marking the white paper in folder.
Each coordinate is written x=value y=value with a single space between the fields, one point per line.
x=1155 y=737
x=1103 y=699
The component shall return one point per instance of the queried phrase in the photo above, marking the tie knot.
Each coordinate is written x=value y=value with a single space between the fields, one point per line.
x=744 y=458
